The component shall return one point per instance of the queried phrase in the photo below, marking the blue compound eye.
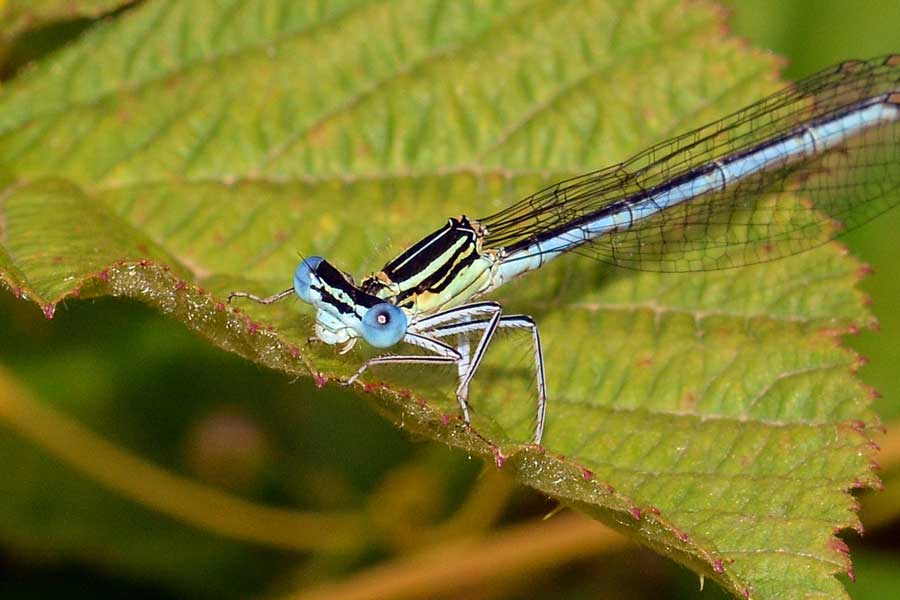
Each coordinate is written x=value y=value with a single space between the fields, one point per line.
x=303 y=276
x=383 y=325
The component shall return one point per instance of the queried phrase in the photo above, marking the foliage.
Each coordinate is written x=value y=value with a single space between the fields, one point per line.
x=182 y=151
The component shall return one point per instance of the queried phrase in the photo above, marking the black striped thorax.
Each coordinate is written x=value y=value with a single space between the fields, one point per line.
x=441 y=268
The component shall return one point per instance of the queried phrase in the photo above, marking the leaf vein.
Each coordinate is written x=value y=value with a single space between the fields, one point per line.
x=566 y=89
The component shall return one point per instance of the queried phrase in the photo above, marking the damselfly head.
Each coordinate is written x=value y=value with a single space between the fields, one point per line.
x=305 y=276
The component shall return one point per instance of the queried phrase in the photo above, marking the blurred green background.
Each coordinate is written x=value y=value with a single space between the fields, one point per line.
x=147 y=385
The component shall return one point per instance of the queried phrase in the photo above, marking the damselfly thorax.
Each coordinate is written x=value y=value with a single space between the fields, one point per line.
x=443 y=270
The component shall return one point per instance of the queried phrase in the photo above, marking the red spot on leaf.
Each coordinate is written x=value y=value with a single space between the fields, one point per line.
x=653 y=510
x=180 y=284
x=294 y=350
x=718 y=566
x=587 y=474
x=689 y=401
x=610 y=489
x=682 y=536
x=49 y=310
x=220 y=307
x=636 y=513
x=104 y=275
x=445 y=420
x=319 y=380
x=17 y=292
x=851 y=574
x=838 y=545
x=643 y=363
x=76 y=292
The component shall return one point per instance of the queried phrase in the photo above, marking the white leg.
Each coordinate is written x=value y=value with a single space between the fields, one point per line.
x=444 y=354
x=267 y=300
x=462 y=367
x=506 y=322
x=459 y=322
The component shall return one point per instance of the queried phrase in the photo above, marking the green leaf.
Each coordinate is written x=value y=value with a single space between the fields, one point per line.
x=184 y=150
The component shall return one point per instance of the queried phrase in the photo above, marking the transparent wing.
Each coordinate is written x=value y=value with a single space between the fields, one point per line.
x=785 y=208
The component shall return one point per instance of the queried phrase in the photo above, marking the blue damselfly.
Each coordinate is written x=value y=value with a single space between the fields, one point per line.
x=765 y=182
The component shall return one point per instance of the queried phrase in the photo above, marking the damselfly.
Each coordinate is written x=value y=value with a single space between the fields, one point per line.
x=759 y=184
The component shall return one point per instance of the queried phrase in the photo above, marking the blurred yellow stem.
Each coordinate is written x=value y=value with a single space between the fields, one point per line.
x=188 y=501
x=451 y=568
x=483 y=507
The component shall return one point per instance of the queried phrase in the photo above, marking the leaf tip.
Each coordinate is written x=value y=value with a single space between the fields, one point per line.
x=318 y=379
x=499 y=457
x=49 y=310
x=836 y=544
